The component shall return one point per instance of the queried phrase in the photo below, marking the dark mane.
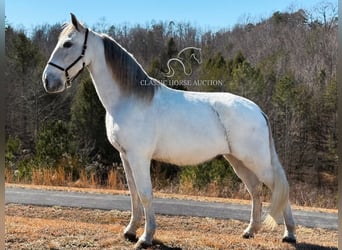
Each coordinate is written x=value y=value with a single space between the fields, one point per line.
x=128 y=73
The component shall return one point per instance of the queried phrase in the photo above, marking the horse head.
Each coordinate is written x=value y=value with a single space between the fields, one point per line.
x=68 y=58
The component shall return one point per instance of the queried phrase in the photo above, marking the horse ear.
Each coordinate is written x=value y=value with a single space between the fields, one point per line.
x=74 y=20
x=76 y=23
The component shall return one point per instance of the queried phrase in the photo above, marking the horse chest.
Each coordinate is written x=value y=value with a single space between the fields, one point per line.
x=113 y=134
x=130 y=131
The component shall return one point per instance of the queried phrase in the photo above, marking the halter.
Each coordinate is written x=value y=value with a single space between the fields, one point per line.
x=68 y=79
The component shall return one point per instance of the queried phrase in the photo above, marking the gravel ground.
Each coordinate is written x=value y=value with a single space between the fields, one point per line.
x=35 y=227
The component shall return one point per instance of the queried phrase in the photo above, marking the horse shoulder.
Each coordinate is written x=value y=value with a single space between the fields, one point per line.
x=131 y=126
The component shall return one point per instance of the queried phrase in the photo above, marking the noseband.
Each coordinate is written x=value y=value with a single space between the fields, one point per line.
x=68 y=79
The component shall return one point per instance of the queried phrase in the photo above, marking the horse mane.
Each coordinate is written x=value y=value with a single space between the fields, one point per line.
x=127 y=72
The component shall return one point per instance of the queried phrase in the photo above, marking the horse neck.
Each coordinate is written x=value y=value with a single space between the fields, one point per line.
x=107 y=89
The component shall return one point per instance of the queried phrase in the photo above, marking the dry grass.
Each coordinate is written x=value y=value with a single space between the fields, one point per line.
x=31 y=227
x=302 y=194
x=60 y=177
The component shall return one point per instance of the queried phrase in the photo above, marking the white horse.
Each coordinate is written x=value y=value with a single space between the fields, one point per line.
x=146 y=120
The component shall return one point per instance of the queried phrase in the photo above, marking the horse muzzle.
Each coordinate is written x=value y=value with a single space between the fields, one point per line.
x=53 y=84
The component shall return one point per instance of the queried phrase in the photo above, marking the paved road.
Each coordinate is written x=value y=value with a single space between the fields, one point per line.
x=161 y=206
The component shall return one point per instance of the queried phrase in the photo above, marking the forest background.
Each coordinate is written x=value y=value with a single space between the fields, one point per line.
x=286 y=63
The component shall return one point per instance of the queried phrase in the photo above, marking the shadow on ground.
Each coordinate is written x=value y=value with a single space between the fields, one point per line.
x=306 y=246
x=158 y=245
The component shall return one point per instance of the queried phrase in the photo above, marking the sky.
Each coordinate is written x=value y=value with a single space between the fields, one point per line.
x=207 y=14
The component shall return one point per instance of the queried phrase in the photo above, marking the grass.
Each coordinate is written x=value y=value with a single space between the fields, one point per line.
x=33 y=227
x=301 y=193
x=60 y=177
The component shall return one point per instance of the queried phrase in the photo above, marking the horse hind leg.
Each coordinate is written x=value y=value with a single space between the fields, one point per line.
x=277 y=183
x=290 y=226
x=254 y=187
x=280 y=178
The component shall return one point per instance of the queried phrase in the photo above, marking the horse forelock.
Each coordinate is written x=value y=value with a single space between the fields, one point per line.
x=67 y=28
x=127 y=72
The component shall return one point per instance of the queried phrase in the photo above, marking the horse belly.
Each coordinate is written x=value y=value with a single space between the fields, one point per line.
x=191 y=145
x=189 y=155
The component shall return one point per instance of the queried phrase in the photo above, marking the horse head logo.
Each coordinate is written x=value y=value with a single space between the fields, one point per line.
x=184 y=58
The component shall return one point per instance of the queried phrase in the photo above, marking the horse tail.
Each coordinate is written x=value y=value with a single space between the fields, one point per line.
x=280 y=194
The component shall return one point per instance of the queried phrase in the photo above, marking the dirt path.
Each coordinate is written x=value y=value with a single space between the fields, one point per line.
x=38 y=228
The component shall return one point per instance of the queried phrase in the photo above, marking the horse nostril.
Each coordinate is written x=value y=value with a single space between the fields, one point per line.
x=53 y=85
x=46 y=82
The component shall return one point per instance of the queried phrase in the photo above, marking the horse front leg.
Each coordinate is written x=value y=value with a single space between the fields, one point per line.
x=137 y=209
x=140 y=169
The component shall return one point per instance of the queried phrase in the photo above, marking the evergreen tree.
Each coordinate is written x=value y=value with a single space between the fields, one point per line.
x=54 y=140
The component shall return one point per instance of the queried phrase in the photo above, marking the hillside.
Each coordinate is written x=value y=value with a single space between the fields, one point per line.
x=285 y=63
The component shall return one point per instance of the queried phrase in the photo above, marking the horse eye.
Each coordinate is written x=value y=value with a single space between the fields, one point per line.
x=67 y=45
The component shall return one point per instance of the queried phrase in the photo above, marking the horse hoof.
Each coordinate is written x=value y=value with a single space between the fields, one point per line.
x=130 y=237
x=289 y=239
x=142 y=245
x=247 y=235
